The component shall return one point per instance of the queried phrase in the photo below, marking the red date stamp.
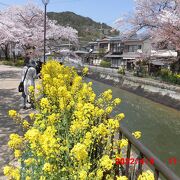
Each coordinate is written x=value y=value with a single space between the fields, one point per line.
x=122 y=161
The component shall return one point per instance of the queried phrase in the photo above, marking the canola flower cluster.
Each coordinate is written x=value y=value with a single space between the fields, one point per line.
x=71 y=135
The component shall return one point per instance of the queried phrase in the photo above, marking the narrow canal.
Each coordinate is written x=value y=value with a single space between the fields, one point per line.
x=160 y=125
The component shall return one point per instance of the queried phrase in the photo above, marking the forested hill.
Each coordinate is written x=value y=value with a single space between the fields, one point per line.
x=88 y=30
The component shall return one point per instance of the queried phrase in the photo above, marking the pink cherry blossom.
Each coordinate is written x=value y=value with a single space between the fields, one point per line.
x=23 y=26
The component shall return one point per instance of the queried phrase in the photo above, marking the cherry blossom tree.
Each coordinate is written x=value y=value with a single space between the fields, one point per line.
x=160 y=17
x=8 y=34
x=23 y=26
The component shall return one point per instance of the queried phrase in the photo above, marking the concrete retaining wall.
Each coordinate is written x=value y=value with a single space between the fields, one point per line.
x=155 y=90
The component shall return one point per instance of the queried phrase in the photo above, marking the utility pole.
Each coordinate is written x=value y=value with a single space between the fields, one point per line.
x=101 y=32
x=45 y=2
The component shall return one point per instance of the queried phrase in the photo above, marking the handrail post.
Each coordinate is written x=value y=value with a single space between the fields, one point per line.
x=127 y=158
x=156 y=174
x=140 y=163
x=160 y=167
x=120 y=137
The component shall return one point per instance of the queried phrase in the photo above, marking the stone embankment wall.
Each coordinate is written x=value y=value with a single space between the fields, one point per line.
x=158 y=91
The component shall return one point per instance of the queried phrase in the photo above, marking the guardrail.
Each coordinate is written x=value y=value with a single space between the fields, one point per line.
x=158 y=167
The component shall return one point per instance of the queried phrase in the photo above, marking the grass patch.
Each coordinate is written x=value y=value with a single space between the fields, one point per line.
x=17 y=63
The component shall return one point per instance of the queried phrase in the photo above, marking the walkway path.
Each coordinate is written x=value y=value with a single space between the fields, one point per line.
x=9 y=99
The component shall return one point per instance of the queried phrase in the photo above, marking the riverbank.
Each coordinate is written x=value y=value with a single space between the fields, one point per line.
x=157 y=91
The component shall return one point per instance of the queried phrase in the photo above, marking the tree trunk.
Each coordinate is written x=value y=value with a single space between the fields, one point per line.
x=5 y=50
x=178 y=59
x=14 y=57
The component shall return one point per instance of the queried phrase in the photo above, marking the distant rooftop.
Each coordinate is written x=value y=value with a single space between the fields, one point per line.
x=116 y=38
x=135 y=37
x=92 y=42
x=138 y=37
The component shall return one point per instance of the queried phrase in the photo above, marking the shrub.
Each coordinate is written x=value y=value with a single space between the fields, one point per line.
x=17 y=63
x=165 y=73
x=105 y=64
x=71 y=134
x=121 y=71
x=168 y=76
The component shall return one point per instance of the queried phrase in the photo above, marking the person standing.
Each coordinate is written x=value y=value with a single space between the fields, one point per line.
x=26 y=60
x=29 y=75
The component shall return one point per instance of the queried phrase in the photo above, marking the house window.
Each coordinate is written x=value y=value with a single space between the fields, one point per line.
x=133 y=48
x=115 y=47
x=116 y=62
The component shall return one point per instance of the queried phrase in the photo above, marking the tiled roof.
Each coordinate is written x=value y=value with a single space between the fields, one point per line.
x=112 y=56
x=116 y=38
x=135 y=37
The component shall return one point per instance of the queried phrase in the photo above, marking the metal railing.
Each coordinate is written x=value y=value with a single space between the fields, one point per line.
x=158 y=167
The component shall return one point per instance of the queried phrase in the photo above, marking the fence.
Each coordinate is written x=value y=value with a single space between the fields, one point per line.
x=157 y=166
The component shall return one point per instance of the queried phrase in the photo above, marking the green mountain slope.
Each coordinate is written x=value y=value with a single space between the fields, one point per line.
x=88 y=30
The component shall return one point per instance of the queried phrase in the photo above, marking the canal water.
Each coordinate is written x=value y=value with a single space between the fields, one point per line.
x=160 y=125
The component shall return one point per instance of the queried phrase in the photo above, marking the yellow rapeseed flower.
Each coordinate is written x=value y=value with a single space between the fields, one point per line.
x=99 y=174
x=87 y=140
x=38 y=87
x=12 y=172
x=82 y=175
x=117 y=101
x=64 y=132
x=32 y=135
x=120 y=116
x=109 y=109
x=123 y=143
x=121 y=178
x=42 y=178
x=28 y=178
x=31 y=115
x=44 y=102
x=47 y=167
x=17 y=153
x=113 y=124
x=85 y=71
x=7 y=170
x=12 y=113
x=15 y=141
x=26 y=124
x=148 y=175
x=137 y=134
x=80 y=152
x=31 y=89
x=29 y=161
x=107 y=95
x=52 y=118
x=101 y=130
x=106 y=163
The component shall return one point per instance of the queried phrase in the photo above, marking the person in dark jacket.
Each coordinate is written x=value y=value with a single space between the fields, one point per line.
x=26 y=60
